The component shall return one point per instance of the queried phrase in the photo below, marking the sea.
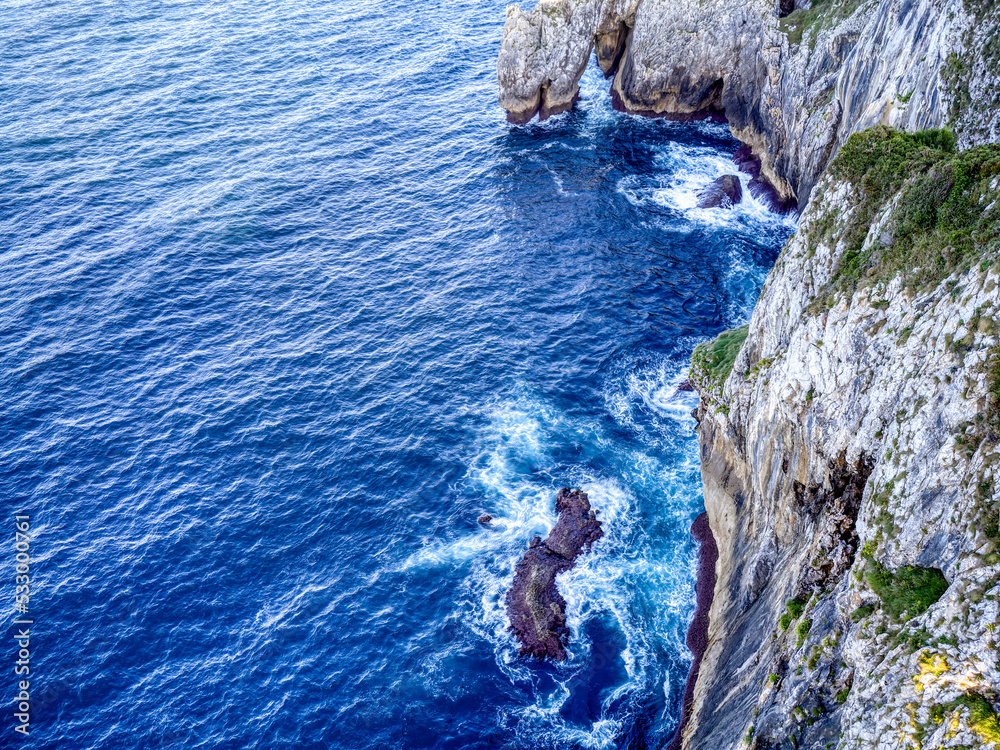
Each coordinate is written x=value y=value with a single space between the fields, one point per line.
x=285 y=306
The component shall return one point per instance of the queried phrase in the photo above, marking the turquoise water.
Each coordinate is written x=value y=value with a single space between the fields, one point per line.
x=286 y=305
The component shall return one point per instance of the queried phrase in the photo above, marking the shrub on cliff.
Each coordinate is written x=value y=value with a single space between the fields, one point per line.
x=909 y=590
x=802 y=631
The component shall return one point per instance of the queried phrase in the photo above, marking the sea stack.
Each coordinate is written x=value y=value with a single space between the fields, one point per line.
x=534 y=605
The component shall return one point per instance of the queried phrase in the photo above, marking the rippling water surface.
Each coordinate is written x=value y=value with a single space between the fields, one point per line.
x=285 y=305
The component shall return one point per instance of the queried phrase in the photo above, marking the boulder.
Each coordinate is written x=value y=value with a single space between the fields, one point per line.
x=723 y=192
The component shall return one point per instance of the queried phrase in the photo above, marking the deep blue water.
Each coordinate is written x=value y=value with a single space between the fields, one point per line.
x=285 y=305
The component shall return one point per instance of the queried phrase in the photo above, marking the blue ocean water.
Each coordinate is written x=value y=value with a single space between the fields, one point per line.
x=285 y=305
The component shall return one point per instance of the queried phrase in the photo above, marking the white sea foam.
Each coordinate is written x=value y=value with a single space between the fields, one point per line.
x=515 y=446
x=660 y=392
x=690 y=169
x=515 y=470
x=601 y=735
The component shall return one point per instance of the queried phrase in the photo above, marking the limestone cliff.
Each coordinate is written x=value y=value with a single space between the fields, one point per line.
x=850 y=433
x=850 y=453
x=794 y=80
x=545 y=51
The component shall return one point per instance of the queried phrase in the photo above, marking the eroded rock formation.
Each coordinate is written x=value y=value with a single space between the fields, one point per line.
x=536 y=609
x=545 y=51
x=793 y=83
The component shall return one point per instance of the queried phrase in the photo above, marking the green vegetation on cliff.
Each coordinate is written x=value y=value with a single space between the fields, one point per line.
x=992 y=369
x=946 y=216
x=909 y=590
x=806 y=23
x=795 y=608
x=982 y=718
x=865 y=610
x=712 y=361
x=981 y=46
x=802 y=630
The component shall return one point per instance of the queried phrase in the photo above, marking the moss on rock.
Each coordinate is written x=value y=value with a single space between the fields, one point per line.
x=712 y=361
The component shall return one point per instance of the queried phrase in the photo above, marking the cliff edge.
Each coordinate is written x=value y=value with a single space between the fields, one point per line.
x=850 y=451
x=850 y=433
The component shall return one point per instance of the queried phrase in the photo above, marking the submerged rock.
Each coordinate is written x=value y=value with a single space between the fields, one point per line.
x=486 y=519
x=722 y=192
x=536 y=609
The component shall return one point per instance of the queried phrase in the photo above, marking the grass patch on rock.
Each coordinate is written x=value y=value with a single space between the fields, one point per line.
x=946 y=218
x=793 y=610
x=712 y=361
x=865 y=610
x=795 y=607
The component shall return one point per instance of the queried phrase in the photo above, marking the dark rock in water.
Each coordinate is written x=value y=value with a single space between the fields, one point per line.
x=723 y=192
x=686 y=385
x=486 y=519
x=537 y=611
x=697 y=635
x=760 y=188
x=747 y=162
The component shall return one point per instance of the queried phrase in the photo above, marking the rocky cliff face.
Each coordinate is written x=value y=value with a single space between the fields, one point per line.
x=794 y=82
x=851 y=432
x=545 y=51
x=850 y=457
